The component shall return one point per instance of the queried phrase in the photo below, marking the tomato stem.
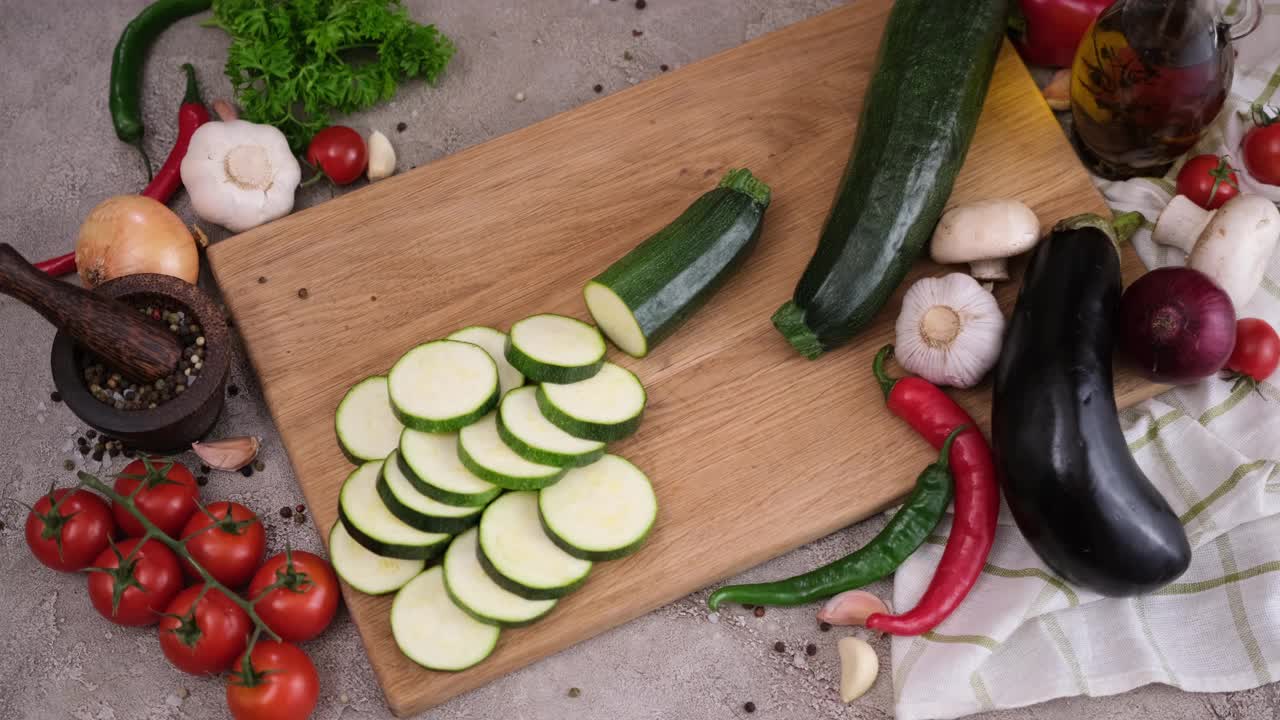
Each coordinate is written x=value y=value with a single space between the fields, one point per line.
x=179 y=547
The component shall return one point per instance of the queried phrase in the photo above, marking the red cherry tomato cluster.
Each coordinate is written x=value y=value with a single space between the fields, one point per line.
x=137 y=582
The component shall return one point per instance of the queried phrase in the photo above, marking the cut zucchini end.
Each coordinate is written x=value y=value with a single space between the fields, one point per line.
x=789 y=319
x=615 y=319
x=433 y=632
x=744 y=182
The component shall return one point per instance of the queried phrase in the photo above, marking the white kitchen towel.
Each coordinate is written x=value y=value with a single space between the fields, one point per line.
x=1025 y=636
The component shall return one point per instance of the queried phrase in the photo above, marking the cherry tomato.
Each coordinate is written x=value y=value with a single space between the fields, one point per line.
x=275 y=681
x=303 y=603
x=207 y=640
x=139 y=584
x=68 y=529
x=1262 y=153
x=1208 y=181
x=339 y=152
x=231 y=549
x=1257 y=351
x=168 y=498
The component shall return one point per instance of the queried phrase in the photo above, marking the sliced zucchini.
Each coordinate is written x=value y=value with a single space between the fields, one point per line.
x=443 y=386
x=517 y=554
x=555 y=348
x=643 y=297
x=417 y=510
x=369 y=573
x=431 y=631
x=524 y=429
x=483 y=452
x=478 y=595
x=603 y=511
x=606 y=407
x=372 y=525
x=367 y=427
x=494 y=342
x=430 y=462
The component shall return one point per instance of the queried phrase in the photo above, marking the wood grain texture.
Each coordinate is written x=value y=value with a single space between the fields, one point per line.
x=741 y=432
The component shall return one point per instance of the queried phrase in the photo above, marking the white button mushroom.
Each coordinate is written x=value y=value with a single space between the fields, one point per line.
x=1232 y=244
x=949 y=331
x=984 y=234
x=240 y=174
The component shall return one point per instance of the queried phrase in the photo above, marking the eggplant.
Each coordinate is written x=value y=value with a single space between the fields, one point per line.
x=1075 y=490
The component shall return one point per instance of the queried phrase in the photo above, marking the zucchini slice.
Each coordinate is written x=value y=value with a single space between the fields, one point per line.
x=366 y=425
x=607 y=407
x=363 y=570
x=431 y=631
x=643 y=297
x=555 y=348
x=517 y=554
x=372 y=525
x=478 y=595
x=417 y=510
x=483 y=452
x=493 y=342
x=603 y=511
x=430 y=462
x=525 y=430
x=443 y=386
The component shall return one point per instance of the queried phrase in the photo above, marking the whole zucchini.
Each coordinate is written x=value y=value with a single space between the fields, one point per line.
x=1074 y=488
x=918 y=116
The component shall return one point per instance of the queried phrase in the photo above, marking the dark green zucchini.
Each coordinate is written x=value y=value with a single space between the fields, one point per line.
x=1067 y=473
x=918 y=116
x=643 y=297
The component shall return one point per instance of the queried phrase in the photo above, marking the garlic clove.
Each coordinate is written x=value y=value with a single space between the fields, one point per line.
x=859 y=667
x=851 y=607
x=1058 y=92
x=229 y=453
x=382 y=157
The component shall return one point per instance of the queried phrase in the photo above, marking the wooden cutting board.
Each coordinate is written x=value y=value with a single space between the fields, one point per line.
x=753 y=449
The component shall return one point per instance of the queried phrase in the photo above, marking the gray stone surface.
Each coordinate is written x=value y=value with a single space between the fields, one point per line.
x=59 y=157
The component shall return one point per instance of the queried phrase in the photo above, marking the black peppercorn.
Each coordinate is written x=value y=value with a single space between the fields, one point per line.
x=286 y=512
x=55 y=396
x=748 y=706
x=401 y=127
x=232 y=390
x=574 y=692
x=68 y=465
x=641 y=4
x=664 y=67
x=247 y=471
x=759 y=611
x=91 y=434
x=598 y=88
x=202 y=481
x=302 y=293
x=810 y=649
x=779 y=647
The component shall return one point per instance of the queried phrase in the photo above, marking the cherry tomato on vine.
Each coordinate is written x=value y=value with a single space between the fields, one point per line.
x=274 y=681
x=227 y=539
x=1257 y=351
x=207 y=639
x=1208 y=181
x=339 y=152
x=134 y=588
x=67 y=529
x=1262 y=153
x=167 y=499
x=304 y=599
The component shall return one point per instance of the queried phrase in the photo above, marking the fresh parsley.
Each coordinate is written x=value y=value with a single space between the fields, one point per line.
x=294 y=62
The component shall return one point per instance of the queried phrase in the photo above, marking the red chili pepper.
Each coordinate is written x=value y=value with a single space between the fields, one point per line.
x=191 y=115
x=1047 y=32
x=977 y=498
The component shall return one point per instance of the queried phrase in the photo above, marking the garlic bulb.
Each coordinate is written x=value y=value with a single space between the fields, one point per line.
x=949 y=331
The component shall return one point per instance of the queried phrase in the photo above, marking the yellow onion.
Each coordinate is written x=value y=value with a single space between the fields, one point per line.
x=132 y=234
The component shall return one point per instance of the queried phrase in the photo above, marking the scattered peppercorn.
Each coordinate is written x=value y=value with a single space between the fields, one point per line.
x=84 y=449
x=810 y=649
x=97 y=455
x=247 y=471
x=81 y=441
x=55 y=396
x=779 y=646
x=68 y=465
x=637 y=33
x=748 y=706
x=299 y=519
x=598 y=88
x=300 y=508
x=286 y=512
x=91 y=434
x=204 y=469
x=262 y=279
x=202 y=481
x=626 y=55
x=302 y=293
x=259 y=466
x=401 y=127
x=373 y=298
x=114 y=452
x=574 y=692
x=232 y=390
x=824 y=626
x=664 y=67
x=1 y=525
x=759 y=611
x=641 y=4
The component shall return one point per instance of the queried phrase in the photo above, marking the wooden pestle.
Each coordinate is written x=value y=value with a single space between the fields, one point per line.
x=123 y=337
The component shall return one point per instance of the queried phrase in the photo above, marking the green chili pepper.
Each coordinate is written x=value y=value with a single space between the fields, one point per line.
x=125 y=97
x=905 y=532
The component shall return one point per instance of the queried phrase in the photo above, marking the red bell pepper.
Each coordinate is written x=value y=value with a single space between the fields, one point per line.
x=1049 y=31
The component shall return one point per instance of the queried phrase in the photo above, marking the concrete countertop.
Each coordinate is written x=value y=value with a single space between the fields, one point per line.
x=59 y=659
